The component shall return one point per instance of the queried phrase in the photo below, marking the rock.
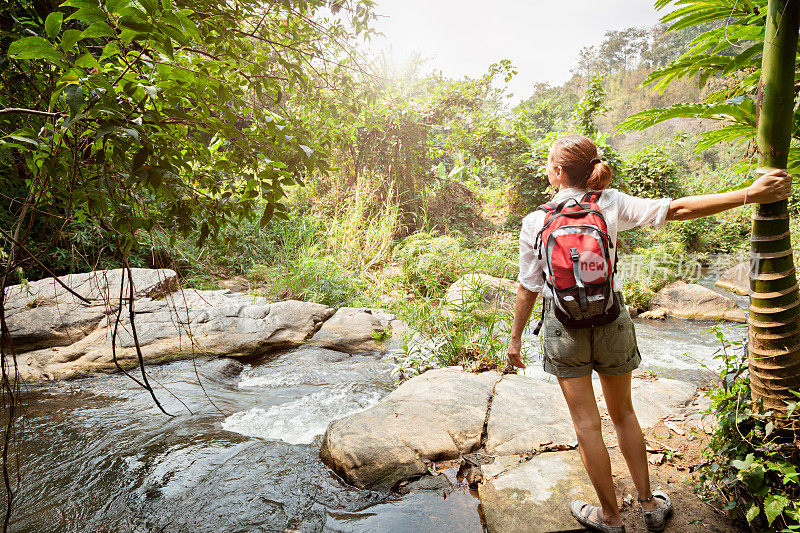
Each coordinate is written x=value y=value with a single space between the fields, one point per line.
x=435 y=416
x=351 y=330
x=235 y=284
x=533 y=496
x=224 y=366
x=736 y=279
x=657 y=314
x=359 y=330
x=690 y=300
x=525 y=413
x=655 y=399
x=184 y=323
x=439 y=483
x=491 y=292
x=42 y=313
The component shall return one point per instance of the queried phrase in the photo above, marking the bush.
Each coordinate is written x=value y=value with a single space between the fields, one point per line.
x=312 y=277
x=653 y=268
x=750 y=463
x=652 y=174
x=430 y=263
x=470 y=333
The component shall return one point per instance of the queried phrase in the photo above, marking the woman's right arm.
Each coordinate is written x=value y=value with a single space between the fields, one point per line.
x=773 y=186
x=522 y=312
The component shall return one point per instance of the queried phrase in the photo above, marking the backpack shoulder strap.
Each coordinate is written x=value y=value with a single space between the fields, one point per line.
x=592 y=196
x=549 y=206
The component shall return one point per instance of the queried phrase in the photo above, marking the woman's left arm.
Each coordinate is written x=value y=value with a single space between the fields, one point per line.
x=773 y=186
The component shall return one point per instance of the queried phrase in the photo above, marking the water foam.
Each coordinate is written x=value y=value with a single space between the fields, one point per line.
x=299 y=421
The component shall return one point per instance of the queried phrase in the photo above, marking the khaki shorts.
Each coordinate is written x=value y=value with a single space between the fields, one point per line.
x=610 y=349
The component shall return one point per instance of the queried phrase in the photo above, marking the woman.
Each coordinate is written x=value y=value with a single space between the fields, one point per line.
x=571 y=354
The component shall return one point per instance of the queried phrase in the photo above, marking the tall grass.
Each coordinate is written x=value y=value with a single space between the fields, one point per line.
x=361 y=234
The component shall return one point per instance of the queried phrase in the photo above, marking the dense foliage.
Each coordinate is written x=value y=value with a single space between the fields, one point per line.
x=161 y=118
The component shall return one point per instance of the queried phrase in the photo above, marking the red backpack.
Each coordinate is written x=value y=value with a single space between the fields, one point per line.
x=575 y=242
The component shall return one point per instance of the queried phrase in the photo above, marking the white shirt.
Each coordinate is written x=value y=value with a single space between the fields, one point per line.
x=621 y=211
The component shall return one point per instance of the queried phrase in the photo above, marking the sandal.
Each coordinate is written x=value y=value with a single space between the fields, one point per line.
x=656 y=519
x=582 y=511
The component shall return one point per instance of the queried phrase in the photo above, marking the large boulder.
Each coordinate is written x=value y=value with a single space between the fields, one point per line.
x=444 y=413
x=433 y=417
x=43 y=313
x=690 y=300
x=358 y=331
x=183 y=323
x=489 y=292
x=736 y=279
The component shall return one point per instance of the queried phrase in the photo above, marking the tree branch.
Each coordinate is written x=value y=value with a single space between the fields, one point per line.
x=23 y=111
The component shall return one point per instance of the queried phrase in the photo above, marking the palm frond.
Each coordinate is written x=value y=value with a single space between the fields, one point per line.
x=737 y=110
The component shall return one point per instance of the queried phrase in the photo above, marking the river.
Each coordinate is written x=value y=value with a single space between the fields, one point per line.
x=241 y=452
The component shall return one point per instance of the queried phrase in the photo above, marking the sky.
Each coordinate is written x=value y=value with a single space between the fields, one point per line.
x=541 y=38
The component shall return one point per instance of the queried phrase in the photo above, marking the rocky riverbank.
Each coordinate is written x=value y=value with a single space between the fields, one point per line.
x=59 y=333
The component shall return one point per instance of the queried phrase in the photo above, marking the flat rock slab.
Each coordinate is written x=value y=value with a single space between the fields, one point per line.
x=184 y=323
x=526 y=412
x=654 y=399
x=356 y=330
x=43 y=313
x=690 y=300
x=534 y=495
x=436 y=416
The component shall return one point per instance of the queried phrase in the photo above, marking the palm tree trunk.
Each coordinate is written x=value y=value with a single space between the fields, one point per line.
x=774 y=330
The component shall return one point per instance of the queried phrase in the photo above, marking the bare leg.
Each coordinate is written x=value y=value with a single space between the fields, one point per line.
x=617 y=391
x=583 y=409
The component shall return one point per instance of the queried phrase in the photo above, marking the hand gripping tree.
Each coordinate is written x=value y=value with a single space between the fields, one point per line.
x=774 y=329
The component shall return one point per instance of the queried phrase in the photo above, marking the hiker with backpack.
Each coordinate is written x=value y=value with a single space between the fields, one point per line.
x=568 y=251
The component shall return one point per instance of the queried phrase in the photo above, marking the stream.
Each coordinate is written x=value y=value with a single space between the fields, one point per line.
x=241 y=452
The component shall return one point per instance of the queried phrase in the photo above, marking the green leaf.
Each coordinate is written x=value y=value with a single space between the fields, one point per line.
x=729 y=133
x=88 y=15
x=149 y=6
x=22 y=139
x=111 y=49
x=79 y=3
x=752 y=512
x=52 y=24
x=188 y=26
x=97 y=29
x=115 y=6
x=141 y=157
x=70 y=39
x=774 y=504
x=87 y=60
x=135 y=24
x=73 y=95
x=737 y=110
x=34 y=48
x=267 y=216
